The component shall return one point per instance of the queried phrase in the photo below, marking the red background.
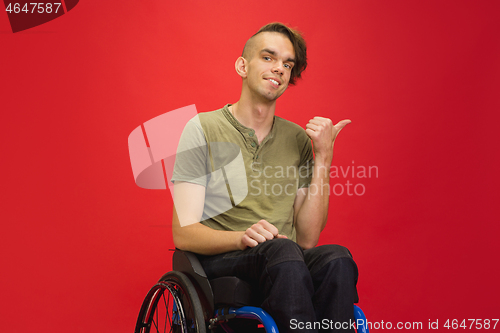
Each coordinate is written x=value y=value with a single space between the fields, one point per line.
x=81 y=244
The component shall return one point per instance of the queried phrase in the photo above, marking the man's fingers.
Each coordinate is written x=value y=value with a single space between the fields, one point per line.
x=315 y=121
x=320 y=122
x=268 y=227
x=260 y=232
x=259 y=235
x=312 y=126
x=310 y=133
x=247 y=241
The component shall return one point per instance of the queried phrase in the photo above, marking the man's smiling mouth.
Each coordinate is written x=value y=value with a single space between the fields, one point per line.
x=274 y=82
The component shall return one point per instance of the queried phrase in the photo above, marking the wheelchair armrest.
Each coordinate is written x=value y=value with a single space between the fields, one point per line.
x=187 y=263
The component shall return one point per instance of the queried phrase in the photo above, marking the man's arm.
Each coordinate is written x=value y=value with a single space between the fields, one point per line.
x=190 y=235
x=311 y=204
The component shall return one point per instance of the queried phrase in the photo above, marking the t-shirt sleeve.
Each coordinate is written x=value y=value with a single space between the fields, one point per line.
x=306 y=163
x=192 y=158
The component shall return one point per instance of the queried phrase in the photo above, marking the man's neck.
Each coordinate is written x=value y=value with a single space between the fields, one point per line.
x=257 y=116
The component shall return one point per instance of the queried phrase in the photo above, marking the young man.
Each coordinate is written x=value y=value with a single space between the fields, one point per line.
x=250 y=199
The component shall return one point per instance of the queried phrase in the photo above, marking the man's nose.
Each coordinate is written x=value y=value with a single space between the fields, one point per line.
x=278 y=68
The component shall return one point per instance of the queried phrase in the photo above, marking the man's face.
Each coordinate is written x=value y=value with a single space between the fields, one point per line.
x=270 y=66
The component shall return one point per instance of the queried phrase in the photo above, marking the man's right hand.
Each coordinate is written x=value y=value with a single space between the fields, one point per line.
x=259 y=233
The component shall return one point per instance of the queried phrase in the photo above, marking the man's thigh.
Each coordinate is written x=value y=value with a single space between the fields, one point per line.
x=251 y=262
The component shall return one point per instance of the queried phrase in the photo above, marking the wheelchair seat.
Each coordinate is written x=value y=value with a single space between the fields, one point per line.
x=184 y=300
x=223 y=291
x=231 y=291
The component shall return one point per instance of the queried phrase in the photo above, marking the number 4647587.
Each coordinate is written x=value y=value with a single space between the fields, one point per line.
x=471 y=324
x=33 y=7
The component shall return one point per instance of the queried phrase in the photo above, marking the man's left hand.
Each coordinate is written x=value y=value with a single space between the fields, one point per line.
x=323 y=133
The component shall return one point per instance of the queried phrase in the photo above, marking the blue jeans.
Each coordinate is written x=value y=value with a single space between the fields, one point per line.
x=304 y=291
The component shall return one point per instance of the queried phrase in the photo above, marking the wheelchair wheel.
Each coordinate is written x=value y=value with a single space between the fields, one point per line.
x=172 y=305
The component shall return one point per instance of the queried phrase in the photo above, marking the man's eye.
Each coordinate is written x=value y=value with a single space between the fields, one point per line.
x=267 y=58
x=287 y=66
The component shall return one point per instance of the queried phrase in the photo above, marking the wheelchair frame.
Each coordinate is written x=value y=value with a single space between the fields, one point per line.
x=188 y=301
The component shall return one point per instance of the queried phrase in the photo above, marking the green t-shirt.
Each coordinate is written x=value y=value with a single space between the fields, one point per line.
x=245 y=182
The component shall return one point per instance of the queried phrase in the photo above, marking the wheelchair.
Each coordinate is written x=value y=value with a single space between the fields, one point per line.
x=185 y=301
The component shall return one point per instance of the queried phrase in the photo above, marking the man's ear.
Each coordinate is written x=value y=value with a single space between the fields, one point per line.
x=241 y=67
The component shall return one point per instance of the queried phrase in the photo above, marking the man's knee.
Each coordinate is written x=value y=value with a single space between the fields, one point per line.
x=316 y=258
x=281 y=250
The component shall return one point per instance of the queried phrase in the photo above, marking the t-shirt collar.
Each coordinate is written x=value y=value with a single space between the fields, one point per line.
x=240 y=127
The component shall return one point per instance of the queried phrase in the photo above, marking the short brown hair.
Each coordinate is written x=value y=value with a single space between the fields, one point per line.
x=299 y=46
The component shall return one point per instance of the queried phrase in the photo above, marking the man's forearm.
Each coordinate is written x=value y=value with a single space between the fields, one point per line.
x=313 y=213
x=201 y=239
x=313 y=210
